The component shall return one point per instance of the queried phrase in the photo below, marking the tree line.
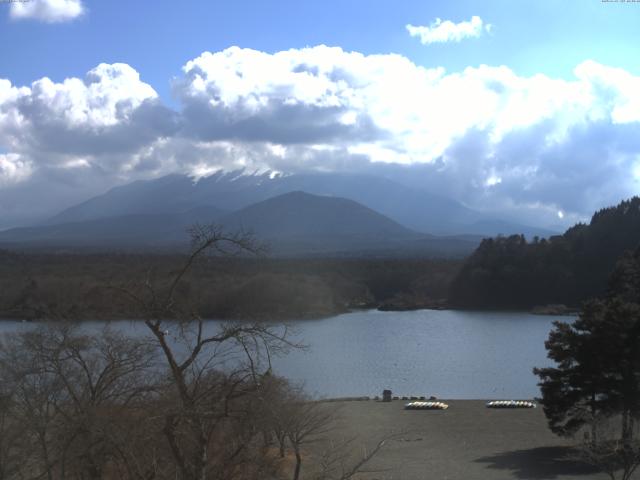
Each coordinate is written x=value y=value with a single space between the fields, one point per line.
x=238 y=288
x=513 y=273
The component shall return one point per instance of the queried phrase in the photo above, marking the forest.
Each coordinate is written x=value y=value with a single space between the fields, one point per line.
x=77 y=286
x=513 y=273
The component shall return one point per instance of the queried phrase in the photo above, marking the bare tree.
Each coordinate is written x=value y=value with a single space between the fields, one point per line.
x=274 y=397
x=69 y=390
x=210 y=370
x=35 y=395
x=306 y=422
x=609 y=451
x=10 y=435
x=337 y=462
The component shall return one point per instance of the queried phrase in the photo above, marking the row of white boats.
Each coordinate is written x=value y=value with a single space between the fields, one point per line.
x=426 y=406
x=491 y=404
x=510 y=404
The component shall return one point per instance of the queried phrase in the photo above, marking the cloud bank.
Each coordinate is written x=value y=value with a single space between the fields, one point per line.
x=496 y=141
x=49 y=11
x=441 y=31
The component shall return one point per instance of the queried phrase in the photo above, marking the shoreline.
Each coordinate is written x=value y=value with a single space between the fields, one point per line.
x=8 y=317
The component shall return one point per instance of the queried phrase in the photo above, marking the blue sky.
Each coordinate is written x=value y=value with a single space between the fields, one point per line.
x=158 y=37
x=524 y=109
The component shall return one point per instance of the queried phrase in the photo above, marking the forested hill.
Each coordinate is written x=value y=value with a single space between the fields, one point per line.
x=509 y=272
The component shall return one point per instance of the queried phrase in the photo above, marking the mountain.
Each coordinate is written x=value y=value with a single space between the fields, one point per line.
x=169 y=194
x=295 y=223
x=411 y=207
x=132 y=230
x=510 y=272
x=302 y=214
x=299 y=222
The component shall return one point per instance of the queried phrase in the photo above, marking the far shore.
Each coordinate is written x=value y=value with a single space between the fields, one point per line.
x=541 y=311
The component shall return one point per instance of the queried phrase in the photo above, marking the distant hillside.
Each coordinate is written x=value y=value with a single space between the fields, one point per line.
x=414 y=208
x=295 y=223
x=509 y=272
x=302 y=214
x=299 y=223
x=133 y=230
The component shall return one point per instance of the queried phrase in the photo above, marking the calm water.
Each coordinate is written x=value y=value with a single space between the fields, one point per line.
x=451 y=354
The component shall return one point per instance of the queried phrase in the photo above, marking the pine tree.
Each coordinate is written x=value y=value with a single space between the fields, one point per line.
x=597 y=373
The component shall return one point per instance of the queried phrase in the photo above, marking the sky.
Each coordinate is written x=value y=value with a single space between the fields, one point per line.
x=526 y=110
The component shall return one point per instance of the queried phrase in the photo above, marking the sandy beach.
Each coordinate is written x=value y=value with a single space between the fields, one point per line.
x=465 y=442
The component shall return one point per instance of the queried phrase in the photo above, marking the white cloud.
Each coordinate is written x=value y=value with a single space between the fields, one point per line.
x=109 y=94
x=49 y=11
x=441 y=31
x=484 y=135
x=384 y=106
x=100 y=121
x=615 y=86
x=13 y=169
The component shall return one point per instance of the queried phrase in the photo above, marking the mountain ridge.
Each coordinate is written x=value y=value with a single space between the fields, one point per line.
x=294 y=223
x=416 y=209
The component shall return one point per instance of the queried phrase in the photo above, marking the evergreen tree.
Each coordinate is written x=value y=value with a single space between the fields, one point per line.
x=597 y=372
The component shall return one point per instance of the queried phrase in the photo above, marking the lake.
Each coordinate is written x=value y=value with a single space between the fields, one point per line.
x=447 y=353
